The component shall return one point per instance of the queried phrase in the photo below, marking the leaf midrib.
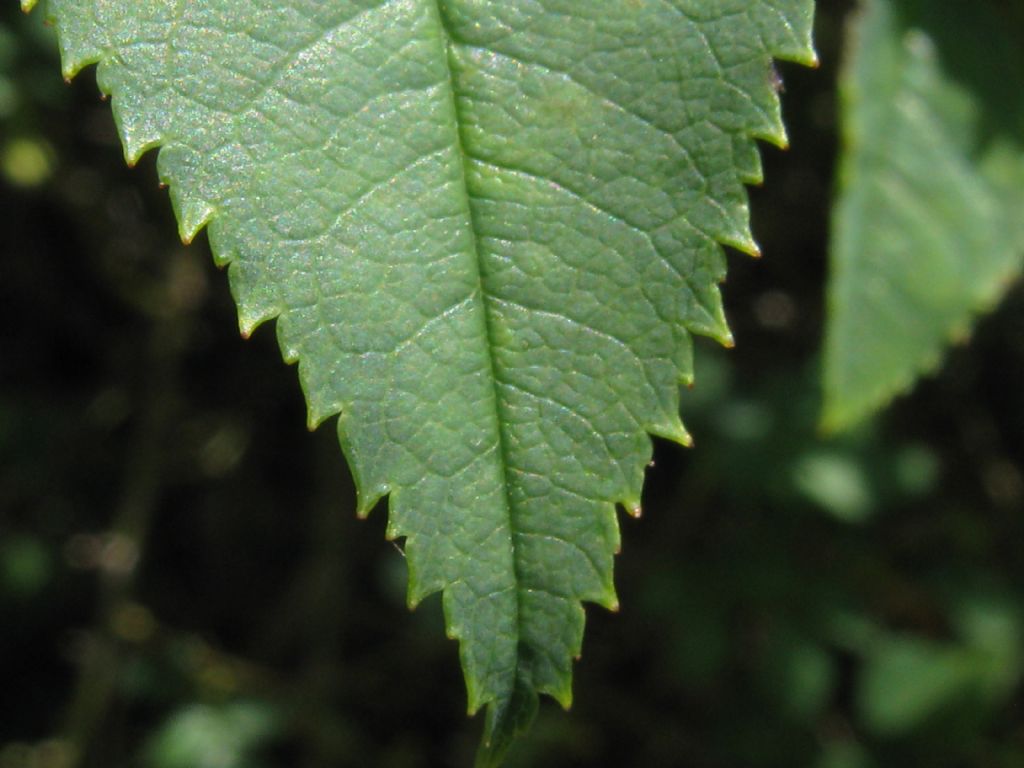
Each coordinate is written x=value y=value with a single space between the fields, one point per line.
x=447 y=39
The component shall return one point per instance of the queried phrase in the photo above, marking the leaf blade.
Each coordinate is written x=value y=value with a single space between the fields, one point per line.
x=487 y=239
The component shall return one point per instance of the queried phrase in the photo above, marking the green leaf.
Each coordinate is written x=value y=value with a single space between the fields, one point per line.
x=203 y=736
x=929 y=227
x=908 y=679
x=488 y=229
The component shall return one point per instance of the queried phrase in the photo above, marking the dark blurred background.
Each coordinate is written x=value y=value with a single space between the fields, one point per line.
x=184 y=583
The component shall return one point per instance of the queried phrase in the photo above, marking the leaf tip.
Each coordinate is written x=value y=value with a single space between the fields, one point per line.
x=509 y=717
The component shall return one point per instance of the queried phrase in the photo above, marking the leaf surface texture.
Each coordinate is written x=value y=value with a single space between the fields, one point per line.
x=487 y=230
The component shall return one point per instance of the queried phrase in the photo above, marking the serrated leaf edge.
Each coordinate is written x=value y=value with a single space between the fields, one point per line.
x=193 y=216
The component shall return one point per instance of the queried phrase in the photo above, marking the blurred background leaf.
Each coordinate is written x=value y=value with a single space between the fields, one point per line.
x=929 y=222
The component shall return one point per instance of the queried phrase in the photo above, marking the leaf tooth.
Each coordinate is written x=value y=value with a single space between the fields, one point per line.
x=252 y=317
x=682 y=356
x=367 y=498
x=772 y=130
x=741 y=238
x=314 y=421
x=254 y=308
x=319 y=408
x=192 y=211
x=563 y=693
x=417 y=590
x=748 y=161
x=425 y=577
x=290 y=352
x=136 y=142
x=609 y=601
x=673 y=429
x=193 y=215
x=800 y=50
x=75 y=52
x=369 y=489
x=224 y=252
x=718 y=329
